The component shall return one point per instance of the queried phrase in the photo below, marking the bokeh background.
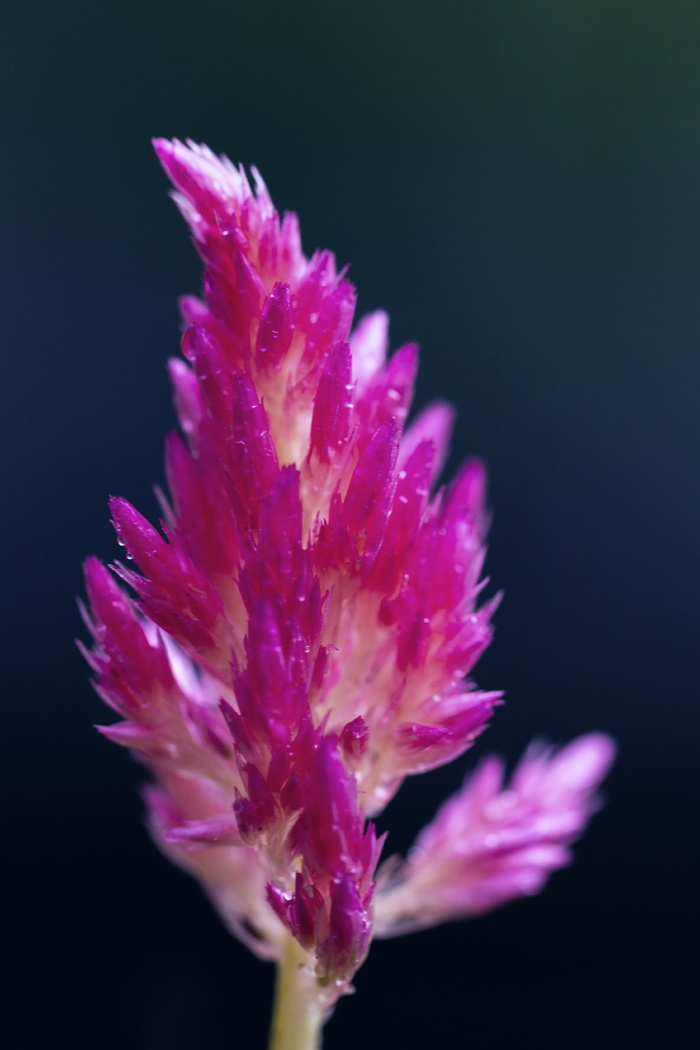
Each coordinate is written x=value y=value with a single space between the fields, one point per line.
x=517 y=184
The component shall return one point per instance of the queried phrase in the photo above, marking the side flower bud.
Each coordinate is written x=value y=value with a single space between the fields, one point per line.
x=488 y=844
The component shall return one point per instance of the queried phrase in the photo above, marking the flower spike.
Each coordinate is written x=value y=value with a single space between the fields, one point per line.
x=488 y=844
x=305 y=619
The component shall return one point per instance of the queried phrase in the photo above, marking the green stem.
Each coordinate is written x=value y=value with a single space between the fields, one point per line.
x=297 y=1016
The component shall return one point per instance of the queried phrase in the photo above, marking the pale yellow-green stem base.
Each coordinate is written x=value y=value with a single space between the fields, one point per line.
x=297 y=1016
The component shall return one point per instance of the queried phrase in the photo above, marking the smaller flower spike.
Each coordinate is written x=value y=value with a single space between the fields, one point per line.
x=488 y=845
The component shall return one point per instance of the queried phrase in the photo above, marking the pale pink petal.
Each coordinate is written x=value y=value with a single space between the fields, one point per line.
x=488 y=844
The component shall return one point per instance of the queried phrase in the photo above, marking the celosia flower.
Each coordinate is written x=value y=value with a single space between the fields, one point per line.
x=305 y=621
x=488 y=845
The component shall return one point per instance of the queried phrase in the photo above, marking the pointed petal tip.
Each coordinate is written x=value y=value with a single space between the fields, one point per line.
x=407 y=356
x=166 y=150
x=99 y=580
x=435 y=424
x=92 y=567
x=586 y=761
x=475 y=472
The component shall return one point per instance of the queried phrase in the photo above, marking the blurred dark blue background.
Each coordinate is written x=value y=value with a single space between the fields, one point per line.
x=517 y=184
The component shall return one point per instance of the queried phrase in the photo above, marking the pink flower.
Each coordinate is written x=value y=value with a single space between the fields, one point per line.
x=306 y=618
x=488 y=845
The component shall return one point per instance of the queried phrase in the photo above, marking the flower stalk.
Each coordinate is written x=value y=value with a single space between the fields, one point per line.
x=297 y=1015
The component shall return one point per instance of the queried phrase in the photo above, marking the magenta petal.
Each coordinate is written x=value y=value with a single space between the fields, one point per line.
x=139 y=738
x=466 y=496
x=276 y=328
x=354 y=738
x=348 y=939
x=332 y=405
x=435 y=425
x=252 y=451
x=388 y=394
x=368 y=501
x=188 y=400
x=216 y=831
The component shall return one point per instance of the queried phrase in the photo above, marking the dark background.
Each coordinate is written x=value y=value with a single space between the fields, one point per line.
x=517 y=184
